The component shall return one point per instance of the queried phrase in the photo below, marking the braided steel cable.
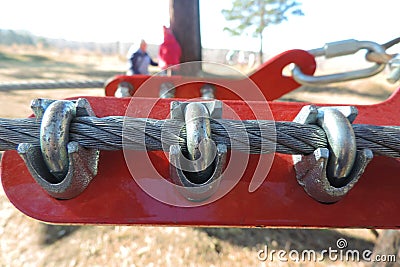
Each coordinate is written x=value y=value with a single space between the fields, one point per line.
x=59 y=84
x=254 y=137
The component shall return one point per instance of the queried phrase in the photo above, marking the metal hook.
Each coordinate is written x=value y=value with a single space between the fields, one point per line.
x=328 y=175
x=337 y=49
x=198 y=174
x=62 y=169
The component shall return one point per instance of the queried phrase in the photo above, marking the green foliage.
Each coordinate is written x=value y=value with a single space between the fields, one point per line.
x=10 y=37
x=253 y=16
x=256 y=15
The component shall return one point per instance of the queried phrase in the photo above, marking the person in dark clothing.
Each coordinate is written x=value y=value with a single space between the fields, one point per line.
x=139 y=61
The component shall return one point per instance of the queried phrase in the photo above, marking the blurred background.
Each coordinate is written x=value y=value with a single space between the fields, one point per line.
x=45 y=40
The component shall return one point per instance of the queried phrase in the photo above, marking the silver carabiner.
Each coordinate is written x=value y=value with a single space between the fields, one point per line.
x=337 y=49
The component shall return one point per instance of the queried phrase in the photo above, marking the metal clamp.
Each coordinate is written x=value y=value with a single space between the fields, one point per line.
x=207 y=91
x=394 y=66
x=336 y=49
x=124 y=89
x=54 y=137
x=167 y=90
x=62 y=168
x=199 y=172
x=328 y=175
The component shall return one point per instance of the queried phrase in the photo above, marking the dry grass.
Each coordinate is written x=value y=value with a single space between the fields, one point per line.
x=26 y=242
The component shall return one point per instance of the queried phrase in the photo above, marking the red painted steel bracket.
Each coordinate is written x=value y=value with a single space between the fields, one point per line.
x=268 y=78
x=114 y=197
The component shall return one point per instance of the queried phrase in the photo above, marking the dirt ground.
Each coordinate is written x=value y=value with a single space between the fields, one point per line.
x=26 y=242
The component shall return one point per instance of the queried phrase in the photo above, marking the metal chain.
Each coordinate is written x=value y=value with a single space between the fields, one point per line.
x=254 y=137
x=52 y=84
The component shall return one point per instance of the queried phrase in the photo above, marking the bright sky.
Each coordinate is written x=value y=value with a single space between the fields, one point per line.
x=127 y=21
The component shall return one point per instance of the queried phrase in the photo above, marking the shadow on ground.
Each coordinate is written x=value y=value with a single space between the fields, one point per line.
x=52 y=233
x=286 y=239
x=95 y=74
x=379 y=94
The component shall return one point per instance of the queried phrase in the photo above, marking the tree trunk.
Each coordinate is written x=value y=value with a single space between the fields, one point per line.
x=185 y=24
x=261 y=53
x=261 y=8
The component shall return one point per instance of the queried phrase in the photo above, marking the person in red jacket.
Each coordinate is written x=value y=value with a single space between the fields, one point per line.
x=170 y=53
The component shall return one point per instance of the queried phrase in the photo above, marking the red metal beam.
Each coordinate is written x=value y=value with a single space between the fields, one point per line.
x=268 y=78
x=114 y=197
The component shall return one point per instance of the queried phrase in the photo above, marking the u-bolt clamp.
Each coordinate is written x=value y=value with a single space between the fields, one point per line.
x=197 y=173
x=330 y=173
x=62 y=168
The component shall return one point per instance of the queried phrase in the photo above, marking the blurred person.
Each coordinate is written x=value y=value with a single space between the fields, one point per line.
x=170 y=53
x=241 y=58
x=139 y=61
x=252 y=60
x=229 y=57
